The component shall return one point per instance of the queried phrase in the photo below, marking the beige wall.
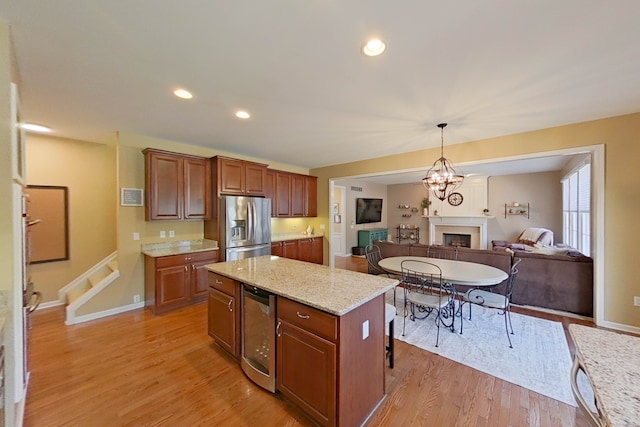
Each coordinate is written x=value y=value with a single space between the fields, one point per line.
x=89 y=172
x=622 y=190
x=543 y=192
x=369 y=189
x=406 y=194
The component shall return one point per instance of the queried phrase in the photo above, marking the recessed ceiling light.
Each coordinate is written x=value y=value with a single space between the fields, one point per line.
x=33 y=127
x=183 y=93
x=374 y=47
x=242 y=114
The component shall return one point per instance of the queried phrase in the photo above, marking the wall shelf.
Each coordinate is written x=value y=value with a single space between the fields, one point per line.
x=407 y=233
x=517 y=209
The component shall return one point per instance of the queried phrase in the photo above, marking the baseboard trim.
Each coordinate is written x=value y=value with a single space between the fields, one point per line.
x=620 y=327
x=105 y=313
x=49 y=304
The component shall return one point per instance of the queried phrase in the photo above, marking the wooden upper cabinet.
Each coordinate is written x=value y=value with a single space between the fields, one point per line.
x=283 y=194
x=240 y=177
x=292 y=194
x=311 y=196
x=297 y=195
x=255 y=179
x=178 y=186
x=197 y=188
x=270 y=190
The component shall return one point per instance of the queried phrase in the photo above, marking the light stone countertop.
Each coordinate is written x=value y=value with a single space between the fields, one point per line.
x=612 y=363
x=280 y=237
x=178 y=247
x=332 y=290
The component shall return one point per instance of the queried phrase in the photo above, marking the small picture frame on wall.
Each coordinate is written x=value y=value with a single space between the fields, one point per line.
x=337 y=219
x=131 y=197
x=335 y=208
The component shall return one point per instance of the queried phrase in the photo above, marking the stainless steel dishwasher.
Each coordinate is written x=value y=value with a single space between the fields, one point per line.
x=258 y=359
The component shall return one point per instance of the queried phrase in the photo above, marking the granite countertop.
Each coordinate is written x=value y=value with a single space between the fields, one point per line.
x=329 y=289
x=612 y=363
x=280 y=237
x=178 y=247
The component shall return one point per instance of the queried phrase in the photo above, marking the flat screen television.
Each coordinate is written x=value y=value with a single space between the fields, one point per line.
x=368 y=210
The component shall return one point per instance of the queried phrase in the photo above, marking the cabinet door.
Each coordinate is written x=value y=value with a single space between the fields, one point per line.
x=231 y=176
x=297 y=195
x=290 y=249
x=277 y=249
x=172 y=290
x=310 y=250
x=270 y=191
x=197 y=189
x=222 y=323
x=199 y=283
x=317 y=250
x=283 y=194
x=311 y=196
x=306 y=371
x=255 y=179
x=164 y=183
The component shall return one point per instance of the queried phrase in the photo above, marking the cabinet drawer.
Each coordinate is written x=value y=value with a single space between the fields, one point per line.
x=308 y=318
x=222 y=283
x=174 y=260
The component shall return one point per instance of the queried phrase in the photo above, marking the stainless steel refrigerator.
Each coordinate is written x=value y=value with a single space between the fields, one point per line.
x=245 y=229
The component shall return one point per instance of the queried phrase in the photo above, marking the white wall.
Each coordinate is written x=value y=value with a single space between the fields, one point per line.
x=369 y=190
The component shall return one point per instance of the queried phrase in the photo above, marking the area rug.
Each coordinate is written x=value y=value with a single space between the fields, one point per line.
x=539 y=360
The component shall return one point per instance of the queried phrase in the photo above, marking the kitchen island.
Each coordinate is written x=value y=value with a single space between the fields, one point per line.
x=330 y=346
x=611 y=362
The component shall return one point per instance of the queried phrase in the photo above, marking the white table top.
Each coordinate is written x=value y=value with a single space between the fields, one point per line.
x=456 y=272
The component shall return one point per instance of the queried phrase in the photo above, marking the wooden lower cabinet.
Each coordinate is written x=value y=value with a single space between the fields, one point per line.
x=325 y=366
x=177 y=280
x=306 y=371
x=224 y=313
x=310 y=249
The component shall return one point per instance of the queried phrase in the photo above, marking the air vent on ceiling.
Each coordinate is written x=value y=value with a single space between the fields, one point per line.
x=356 y=188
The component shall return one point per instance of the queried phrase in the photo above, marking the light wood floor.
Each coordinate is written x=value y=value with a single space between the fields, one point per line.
x=136 y=369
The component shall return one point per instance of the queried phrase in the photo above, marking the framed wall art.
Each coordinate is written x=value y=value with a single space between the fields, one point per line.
x=48 y=211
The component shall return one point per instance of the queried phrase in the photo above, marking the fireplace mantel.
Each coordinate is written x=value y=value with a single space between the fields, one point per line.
x=475 y=225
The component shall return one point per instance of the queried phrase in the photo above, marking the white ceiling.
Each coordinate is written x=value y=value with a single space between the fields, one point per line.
x=488 y=68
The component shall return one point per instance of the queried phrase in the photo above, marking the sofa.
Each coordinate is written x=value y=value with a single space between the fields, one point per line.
x=554 y=281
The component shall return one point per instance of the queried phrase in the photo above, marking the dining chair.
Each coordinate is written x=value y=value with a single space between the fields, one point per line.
x=425 y=292
x=373 y=255
x=443 y=252
x=501 y=301
x=390 y=319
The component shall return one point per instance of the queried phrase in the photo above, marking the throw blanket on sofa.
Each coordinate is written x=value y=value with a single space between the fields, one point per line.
x=533 y=235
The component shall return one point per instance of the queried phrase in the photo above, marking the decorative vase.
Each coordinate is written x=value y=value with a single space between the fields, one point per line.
x=425 y=211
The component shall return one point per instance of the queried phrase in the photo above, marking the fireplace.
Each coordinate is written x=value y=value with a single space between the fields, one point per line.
x=457 y=240
x=473 y=226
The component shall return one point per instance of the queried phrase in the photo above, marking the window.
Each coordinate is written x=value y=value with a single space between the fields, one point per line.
x=576 y=209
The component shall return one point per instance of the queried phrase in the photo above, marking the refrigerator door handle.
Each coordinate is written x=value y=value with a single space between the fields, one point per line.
x=250 y=221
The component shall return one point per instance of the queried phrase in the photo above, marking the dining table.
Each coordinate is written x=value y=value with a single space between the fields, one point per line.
x=457 y=273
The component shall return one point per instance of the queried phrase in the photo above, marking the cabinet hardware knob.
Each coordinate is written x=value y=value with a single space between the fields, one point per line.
x=302 y=316
x=229 y=305
x=188 y=258
x=278 y=333
x=218 y=282
x=186 y=268
x=193 y=267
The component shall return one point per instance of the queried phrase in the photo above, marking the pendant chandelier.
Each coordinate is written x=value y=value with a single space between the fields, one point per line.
x=442 y=179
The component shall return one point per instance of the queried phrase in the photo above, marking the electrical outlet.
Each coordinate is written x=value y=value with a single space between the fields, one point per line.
x=163 y=234
x=171 y=233
x=636 y=301
x=321 y=226
x=136 y=298
x=136 y=236
x=365 y=329
x=293 y=227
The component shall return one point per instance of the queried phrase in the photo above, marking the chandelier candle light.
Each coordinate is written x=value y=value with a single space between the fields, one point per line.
x=442 y=179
